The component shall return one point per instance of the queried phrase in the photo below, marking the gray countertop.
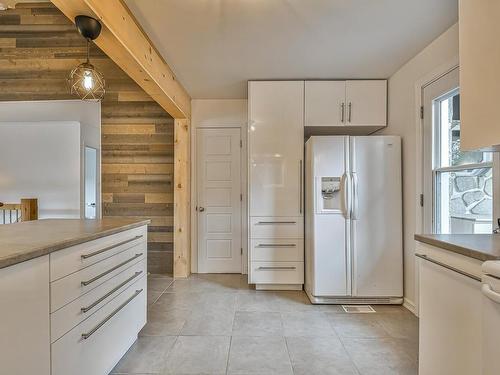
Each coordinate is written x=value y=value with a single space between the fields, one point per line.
x=24 y=241
x=478 y=246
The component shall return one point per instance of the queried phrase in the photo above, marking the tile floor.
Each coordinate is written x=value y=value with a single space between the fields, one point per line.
x=216 y=324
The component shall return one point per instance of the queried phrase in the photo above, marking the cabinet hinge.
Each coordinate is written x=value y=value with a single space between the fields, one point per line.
x=241 y=143
x=241 y=197
x=241 y=250
x=421 y=200
x=422 y=112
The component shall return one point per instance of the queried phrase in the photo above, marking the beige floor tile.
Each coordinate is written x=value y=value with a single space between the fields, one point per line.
x=319 y=356
x=357 y=325
x=403 y=326
x=198 y=355
x=147 y=355
x=222 y=321
x=257 y=301
x=257 y=323
x=259 y=355
x=390 y=309
x=294 y=301
x=380 y=357
x=153 y=297
x=159 y=283
x=306 y=324
x=207 y=323
x=164 y=323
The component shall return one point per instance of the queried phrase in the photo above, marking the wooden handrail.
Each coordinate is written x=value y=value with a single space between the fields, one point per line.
x=10 y=206
x=28 y=209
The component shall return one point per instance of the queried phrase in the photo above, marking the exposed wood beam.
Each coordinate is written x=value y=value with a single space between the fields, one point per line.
x=124 y=41
x=182 y=193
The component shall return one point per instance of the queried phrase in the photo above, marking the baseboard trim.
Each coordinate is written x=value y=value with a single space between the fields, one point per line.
x=410 y=305
x=278 y=286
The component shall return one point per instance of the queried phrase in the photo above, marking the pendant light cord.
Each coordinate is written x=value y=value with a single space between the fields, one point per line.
x=88 y=51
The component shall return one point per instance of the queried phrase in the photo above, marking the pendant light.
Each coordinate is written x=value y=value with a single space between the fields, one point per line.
x=85 y=81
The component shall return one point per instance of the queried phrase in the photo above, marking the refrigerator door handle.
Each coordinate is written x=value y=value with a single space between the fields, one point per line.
x=345 y=205
x=301 y=188
x=354 y=178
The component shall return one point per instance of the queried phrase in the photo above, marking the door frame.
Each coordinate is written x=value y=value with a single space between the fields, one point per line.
x=419 y=165
x=194 y=192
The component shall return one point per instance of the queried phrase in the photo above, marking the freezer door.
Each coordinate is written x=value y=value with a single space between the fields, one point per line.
x=327 y=192
x=376 y=218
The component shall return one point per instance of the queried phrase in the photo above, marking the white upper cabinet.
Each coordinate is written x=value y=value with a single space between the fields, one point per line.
x=366 y=103
x=479 y=52
x=360 y=103
x=325 y=103
x=276 y=144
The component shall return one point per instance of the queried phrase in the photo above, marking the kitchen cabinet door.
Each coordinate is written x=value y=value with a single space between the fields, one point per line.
x=479 y=74
x=24 y=318
x=366 y=103
x=276 y=144
x=325 y=103
x=450 y=322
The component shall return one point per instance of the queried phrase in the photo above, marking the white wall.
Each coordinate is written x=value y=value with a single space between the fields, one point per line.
x=41 y=160
x=86 y=114
x=403 y=112
x=218 y=113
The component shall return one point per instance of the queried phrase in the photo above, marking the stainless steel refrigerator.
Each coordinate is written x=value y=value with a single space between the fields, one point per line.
x=353 y=227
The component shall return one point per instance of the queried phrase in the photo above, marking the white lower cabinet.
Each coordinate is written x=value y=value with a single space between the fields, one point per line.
x=450 y=314
x=273 y=273
x=276 y=250
x=24 y=318
x=67 y=317
x=82 y=321
x=96 y=345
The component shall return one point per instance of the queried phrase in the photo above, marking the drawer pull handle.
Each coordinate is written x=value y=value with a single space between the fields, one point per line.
x=276 y=245
x=85 y=283
x=463 y=273
x=90 y=307
x=276 y=222
x=85 y=336
x=276 y=268
x=86 y=256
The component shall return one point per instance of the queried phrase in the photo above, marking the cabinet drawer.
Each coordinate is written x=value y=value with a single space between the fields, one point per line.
x=277 y=272
x=75 y=258
x=67 y=317
x=274 y=250
x=69 y=288
x=276 y=227
x=108 y=335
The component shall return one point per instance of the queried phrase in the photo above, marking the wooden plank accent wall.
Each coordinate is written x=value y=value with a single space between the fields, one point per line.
x=38 y=48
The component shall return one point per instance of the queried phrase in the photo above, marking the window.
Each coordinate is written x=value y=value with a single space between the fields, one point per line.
x=462 y=181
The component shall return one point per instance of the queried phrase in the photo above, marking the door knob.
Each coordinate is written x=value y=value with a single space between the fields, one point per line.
x=201 y=209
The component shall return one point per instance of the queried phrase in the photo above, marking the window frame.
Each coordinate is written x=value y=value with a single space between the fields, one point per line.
x=437 y=170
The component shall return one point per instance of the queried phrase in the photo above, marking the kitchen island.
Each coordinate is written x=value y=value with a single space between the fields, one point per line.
x=449 y=269
x=73 y=294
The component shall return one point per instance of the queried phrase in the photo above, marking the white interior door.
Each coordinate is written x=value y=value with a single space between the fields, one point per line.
x=219 y=200
x=90 y=183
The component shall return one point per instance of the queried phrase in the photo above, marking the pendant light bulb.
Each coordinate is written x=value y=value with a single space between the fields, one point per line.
x=85 y=80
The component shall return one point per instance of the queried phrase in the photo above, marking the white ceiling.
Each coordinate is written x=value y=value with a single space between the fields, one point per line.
x=215 y=46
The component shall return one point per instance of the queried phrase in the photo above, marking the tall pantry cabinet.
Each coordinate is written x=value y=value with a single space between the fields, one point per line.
x=279 y=114
x=276 y=151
